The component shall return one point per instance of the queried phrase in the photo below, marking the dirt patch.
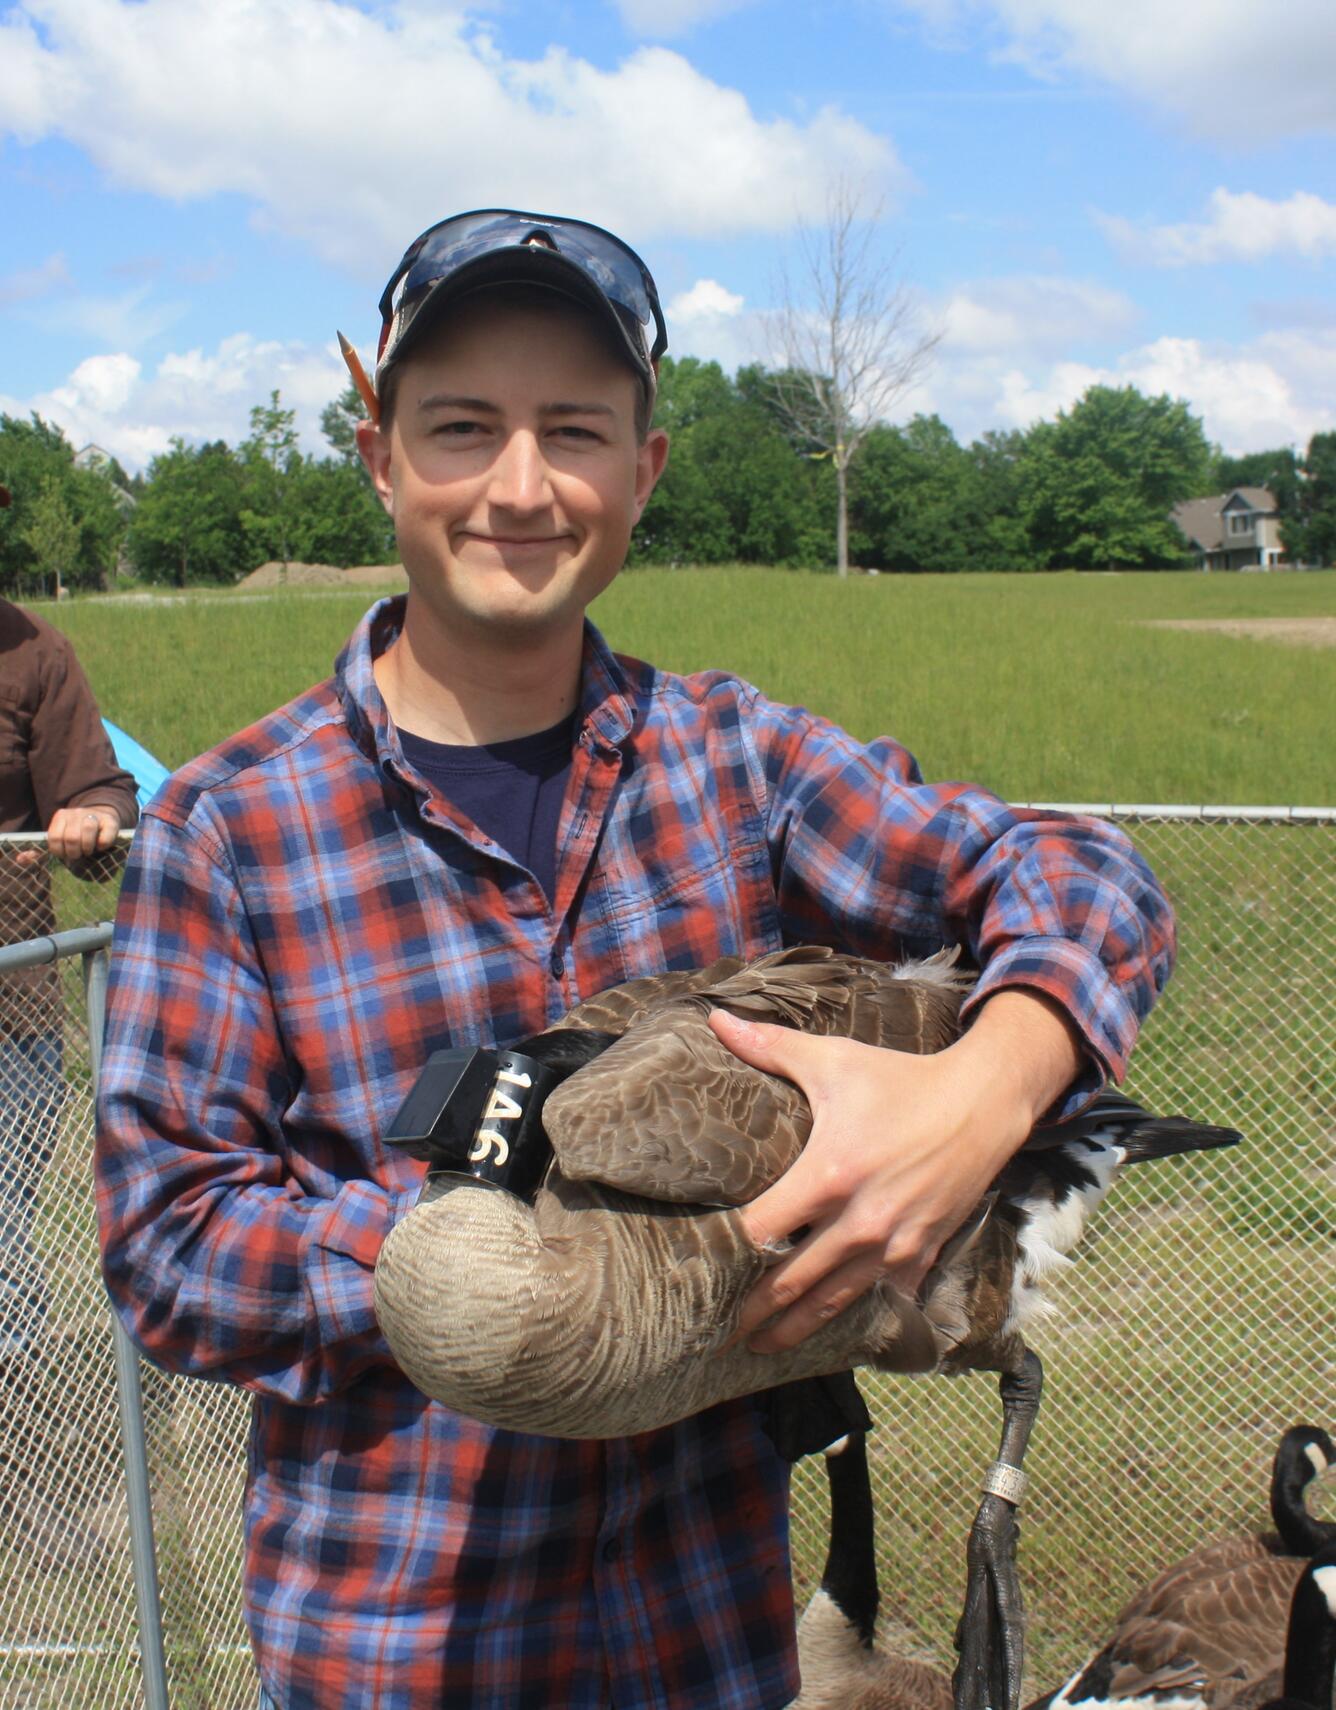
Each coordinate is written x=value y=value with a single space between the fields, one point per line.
x=273 y=575
x=1294 y=632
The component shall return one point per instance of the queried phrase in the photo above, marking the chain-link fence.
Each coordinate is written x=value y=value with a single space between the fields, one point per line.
x=69 y=1625
x=1200 y=1319
x=1199 y=1322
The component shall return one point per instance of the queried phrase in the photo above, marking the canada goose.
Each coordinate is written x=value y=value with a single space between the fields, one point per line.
x=584 y=1309
x=1213 y=1625
x=842 y=1668
x=1307 y=1679
x=596 y=1298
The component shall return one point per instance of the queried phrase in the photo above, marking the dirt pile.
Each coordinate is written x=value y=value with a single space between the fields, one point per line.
x=273 y=575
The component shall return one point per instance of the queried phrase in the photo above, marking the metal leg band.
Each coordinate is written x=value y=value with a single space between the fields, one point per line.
x=1005 y=1481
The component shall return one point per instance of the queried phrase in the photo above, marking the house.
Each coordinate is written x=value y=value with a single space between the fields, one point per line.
x=100 y=462
x=1239 y=530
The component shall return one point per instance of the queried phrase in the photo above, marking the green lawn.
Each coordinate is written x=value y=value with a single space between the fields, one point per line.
x=1041 y=687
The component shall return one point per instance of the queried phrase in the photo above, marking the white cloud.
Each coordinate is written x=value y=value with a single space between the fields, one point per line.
x=1230 y=68
x=1032 y=312
x=1008 y=358
x=664 y=18
x=1240 y=227
x=712 y=323
x=352 y=130
x=706 y=300
x=1276 y=390
x=134 y=413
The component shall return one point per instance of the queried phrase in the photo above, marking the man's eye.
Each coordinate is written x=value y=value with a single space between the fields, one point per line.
x=459 y=430
x=570 y=431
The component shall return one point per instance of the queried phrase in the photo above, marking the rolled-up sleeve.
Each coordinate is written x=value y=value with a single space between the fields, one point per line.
x=217 y=1260
x=1051 y=902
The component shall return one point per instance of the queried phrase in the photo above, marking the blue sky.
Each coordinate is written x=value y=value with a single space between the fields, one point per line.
x=194 y=194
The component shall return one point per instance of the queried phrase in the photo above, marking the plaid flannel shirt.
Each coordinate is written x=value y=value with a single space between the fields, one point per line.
x=301 y=924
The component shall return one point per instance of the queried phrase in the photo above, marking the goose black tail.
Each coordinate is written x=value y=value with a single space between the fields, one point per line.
x=1167 y=1136
x=1121 y=1121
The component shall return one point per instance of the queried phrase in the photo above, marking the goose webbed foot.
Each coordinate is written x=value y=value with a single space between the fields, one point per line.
x=990 y=1637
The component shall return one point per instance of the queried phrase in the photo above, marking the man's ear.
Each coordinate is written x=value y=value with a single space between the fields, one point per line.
x=651 y=460
x=373 y=447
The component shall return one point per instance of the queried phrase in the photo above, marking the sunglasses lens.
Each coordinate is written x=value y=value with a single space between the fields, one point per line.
x=618 y=273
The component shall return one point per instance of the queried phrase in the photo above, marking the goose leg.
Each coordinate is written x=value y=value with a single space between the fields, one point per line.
x=992 y=1627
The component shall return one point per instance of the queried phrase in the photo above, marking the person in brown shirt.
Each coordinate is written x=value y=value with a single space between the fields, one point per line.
x=58 y=775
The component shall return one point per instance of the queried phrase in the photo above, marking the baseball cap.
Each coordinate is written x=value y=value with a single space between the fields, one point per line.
x=503 y=246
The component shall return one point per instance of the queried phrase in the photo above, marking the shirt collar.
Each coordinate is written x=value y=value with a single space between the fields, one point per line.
x=607 y=711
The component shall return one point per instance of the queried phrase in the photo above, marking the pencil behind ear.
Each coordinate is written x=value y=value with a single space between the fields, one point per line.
x=365 y=389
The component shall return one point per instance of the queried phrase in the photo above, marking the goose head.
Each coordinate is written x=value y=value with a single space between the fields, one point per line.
x=1305 y=1453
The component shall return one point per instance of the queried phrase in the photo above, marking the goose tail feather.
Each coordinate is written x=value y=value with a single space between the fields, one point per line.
x=1170 y=1136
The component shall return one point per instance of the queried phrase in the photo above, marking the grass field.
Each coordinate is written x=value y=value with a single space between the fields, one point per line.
x=1041 y=687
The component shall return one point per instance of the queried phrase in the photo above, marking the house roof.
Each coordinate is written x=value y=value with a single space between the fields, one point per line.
x=1256 y=498
x=1202 y=520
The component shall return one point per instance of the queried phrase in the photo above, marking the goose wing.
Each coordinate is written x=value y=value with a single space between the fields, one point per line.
x=1208 y=1627
x=620 y=1007
x=668 y=1112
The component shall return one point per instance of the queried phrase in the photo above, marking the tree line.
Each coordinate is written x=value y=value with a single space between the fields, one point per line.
x=207 y=513
x=1091 y=489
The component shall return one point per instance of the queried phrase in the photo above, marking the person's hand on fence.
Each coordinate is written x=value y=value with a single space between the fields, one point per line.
x=76 y=833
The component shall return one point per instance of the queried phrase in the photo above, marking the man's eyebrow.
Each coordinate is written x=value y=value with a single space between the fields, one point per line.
x=573 y=409
x=455 y=401
x=481 y=406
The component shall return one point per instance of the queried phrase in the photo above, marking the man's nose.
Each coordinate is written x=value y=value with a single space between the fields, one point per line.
x=519 y=475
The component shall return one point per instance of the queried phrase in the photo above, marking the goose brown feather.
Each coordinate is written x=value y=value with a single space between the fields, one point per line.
x=576 y=1280
x=669 y=1112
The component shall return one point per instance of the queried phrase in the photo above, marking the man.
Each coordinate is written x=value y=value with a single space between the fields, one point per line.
x=482 y=817
x=58 y=775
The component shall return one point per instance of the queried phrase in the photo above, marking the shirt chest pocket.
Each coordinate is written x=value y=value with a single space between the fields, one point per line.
x=681 y=890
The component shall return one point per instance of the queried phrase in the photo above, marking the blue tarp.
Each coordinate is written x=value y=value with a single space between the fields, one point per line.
x=148 y=772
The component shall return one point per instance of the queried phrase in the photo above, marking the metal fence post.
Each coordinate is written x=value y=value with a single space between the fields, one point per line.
x=148 y=1603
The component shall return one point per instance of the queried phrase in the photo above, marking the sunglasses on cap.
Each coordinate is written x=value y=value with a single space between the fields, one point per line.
x=495 y=245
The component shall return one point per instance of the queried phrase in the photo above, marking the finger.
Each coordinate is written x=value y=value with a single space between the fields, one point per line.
x=821 y=1254
x=108 y=826
x=814 y=1309
x=800 y=1057
x=90 y=825
x=57 y=834
x=813 y=1186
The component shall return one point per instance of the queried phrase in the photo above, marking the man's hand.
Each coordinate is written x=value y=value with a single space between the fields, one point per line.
x=75 y=833
x=902 y=1147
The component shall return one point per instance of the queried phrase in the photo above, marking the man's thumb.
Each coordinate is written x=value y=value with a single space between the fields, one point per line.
x=778 y=1050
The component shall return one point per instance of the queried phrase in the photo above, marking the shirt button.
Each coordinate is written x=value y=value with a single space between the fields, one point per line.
x=557 y=963
x=611 y=1550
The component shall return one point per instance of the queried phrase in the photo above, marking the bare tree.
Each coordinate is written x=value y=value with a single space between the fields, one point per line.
x=848 y=337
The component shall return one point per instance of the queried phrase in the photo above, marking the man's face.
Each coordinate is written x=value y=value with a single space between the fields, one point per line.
x=512 y=469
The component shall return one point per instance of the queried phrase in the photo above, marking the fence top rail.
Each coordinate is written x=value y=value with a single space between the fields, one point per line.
x=34 y=952
x=37 y=839
x=1168 y=810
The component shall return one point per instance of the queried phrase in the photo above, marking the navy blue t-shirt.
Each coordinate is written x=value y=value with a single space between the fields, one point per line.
x=512 y=791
